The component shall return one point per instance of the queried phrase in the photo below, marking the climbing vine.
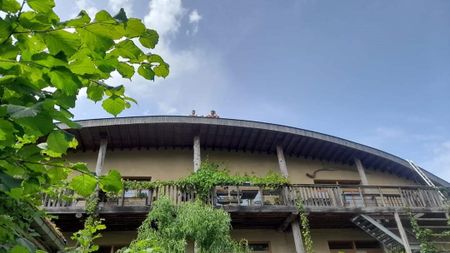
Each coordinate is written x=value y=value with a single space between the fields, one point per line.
x=169 y=228
x=304 y=224
x=207 y=177
x=426 y=236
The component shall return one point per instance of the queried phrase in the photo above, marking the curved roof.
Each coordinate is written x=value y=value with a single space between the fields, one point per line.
x=232 y=134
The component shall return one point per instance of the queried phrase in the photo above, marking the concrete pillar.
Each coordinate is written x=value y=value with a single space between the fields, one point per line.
x=361 y=171
x=101 y=157
x=402 y=233
x=197 y=157
x=282 y=161
x=297 y=234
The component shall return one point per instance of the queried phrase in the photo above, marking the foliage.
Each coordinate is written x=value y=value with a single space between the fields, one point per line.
x=426 y=236
x=86 y=236
x=306 y=232
x=44 y=63
x=169 y=228
x=207 y=177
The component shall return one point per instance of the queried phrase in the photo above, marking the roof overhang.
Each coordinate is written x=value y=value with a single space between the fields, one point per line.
x=239 y=135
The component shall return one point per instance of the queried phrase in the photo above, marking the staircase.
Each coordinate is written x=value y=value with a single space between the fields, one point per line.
x=385 y=230
x=390 y=241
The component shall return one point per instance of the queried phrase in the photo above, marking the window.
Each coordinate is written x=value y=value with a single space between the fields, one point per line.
x=259 y=247
x=354 y=247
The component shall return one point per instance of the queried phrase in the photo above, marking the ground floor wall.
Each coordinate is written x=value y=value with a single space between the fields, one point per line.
x=279 y=242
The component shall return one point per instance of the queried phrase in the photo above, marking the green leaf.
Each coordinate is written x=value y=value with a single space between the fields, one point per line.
x=19 y=111
x=6 y=133
x=9 y=5
x=19 y=249
x=64 y=41
x=127 y=49
x=84 y=184
x=149 y=39
x=146 y=72
x=94 y=40
x=114 y=105
x=126 y=70
x=82 y=19
x=43 y=6
x=162 y=70
x=121 y=16
x=5 y=29
x=112 y=182
x=95 y=92
x=104 y=16
x=35 y=21
x=134 y=28
x=81 y=167
x=83 y=66
x=65 y=80
x=59 y=141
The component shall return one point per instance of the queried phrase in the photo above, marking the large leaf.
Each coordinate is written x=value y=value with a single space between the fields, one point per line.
x=126 y=70
x=146 y=72
x=114 y=105
x=82 y=19
x=162 y=70
x=83 y=66
x=59 y=141
x=5 y=29
x=127 y=49
x=112 y=182
x=64 y=80
x=43 y=6
x=61 y=40
x=134 y=28
x=95 y=92
x=9 y=5
x=84 y=184
x=149 y=39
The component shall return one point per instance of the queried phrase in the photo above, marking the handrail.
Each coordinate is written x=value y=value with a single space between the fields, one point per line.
x=311 y=195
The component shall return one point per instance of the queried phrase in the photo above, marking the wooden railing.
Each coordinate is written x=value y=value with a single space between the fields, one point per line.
x=333 y=196
x=365 y=196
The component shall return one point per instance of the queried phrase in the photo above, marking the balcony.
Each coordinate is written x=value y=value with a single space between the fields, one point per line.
x=315 y=198
x=358 y=198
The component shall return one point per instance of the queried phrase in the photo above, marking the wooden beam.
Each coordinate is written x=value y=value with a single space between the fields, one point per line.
x=297 y=234
x=361 y=171
x=101 y=157
x=402 y=233
x=282 y=161
x=287 y=222
x=197 y=157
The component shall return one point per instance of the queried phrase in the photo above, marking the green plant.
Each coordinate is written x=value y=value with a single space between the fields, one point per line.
x=44 y=63
x=169 y=228
x=84 y=238
x=207 y=177
x=426 y=236
x=304 y=224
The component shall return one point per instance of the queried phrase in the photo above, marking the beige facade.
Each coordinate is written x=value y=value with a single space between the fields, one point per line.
x=167 y=164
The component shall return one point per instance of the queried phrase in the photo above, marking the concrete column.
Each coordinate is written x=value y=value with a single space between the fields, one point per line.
x=298 y=241
x=197 y=157
x=402 y=233
x=282 y=161
x=361 y=171
x=101 y=157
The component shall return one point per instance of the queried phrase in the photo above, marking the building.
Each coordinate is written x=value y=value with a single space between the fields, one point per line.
x=358 y=198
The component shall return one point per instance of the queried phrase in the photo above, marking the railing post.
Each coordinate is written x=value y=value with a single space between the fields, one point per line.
x=362 y=196
x=197 y=156
x=381 y=196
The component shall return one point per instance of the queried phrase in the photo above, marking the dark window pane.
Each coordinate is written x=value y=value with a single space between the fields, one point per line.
x=367 y=245
x=259 y=246
x=340 y=245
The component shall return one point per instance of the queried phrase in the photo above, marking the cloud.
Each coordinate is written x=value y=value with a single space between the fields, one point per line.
x=194 y=19
x=439 y=162
x=86 y=5
x=164 y=16
x=127 y=5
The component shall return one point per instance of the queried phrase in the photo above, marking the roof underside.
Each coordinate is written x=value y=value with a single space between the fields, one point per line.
x=233 y=135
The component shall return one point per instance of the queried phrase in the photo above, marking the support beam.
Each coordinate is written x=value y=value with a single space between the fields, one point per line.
x=197 y=157
x=298 y=241
x=101 y=157
x=282 y=161
x=402 y=233
x=361 y=171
